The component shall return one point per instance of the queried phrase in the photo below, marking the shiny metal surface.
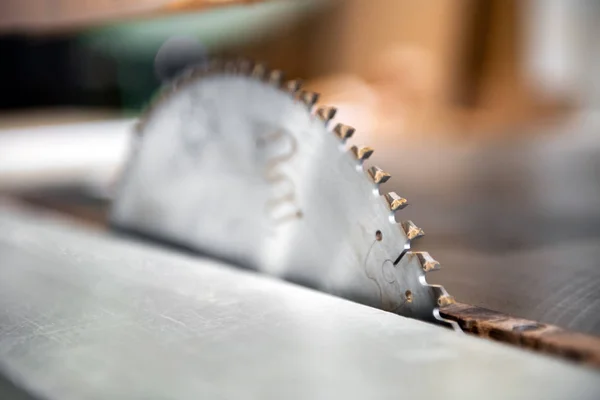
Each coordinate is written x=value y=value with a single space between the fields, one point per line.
x=88 y=316
x=235 y=167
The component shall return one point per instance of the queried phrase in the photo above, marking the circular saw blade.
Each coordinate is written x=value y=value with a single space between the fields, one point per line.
x=234 y=164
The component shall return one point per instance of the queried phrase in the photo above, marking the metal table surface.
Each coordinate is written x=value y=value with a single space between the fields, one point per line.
x=88 y=316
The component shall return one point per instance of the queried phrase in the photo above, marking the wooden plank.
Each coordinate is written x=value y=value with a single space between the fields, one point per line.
x=43 y=15
x=525 y=333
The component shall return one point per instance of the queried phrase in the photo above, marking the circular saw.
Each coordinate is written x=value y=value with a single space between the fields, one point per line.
x=233 y=162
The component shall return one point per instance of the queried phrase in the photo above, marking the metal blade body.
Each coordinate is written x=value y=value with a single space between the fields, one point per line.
x=237 y=168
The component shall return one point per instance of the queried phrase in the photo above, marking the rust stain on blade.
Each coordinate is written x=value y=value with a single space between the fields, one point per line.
x=533 y=335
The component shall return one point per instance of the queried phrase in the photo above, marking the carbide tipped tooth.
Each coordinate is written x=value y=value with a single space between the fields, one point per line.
x=378 y=175
x=361 y=153
x=326 y=114
x=412 y=231
x=344 y=132
x=308 y=98
x=230 y=67
x=293 y=86
x=214 y=65
x=395 y=202
x=427 y=262
x=245 y=67
x=445 y=300
x=276 y=77
x=259 y=71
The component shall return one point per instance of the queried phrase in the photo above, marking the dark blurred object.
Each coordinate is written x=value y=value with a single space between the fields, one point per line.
x=54 y=71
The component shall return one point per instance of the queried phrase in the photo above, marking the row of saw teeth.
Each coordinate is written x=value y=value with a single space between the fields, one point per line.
x=393 y=201
x=326 y=114
x=377 y=176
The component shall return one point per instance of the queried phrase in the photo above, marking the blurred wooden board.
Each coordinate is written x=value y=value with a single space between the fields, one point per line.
x=42 y=15
x=555 y=284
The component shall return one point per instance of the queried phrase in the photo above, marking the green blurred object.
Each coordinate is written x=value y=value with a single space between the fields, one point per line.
x=134 y=44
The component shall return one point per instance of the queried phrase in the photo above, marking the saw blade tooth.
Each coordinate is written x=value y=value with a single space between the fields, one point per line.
x=326 y=113
x=412 y=231
x=245 y=66
x=427 y=262
x=395 y=202
x=445 y=300
x=378 y=175
x=259 y=71
x=276 y=77
x=231 y=67
x=361 y=153
x=308 y=98
x=344 y=132
x=442 y=297
x=214 y=65
x=293 y=86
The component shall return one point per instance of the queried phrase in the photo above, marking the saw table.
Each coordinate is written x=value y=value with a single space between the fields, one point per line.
x=88 y=315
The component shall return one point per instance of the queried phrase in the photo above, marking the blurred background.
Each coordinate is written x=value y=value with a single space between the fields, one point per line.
x=486 y=113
